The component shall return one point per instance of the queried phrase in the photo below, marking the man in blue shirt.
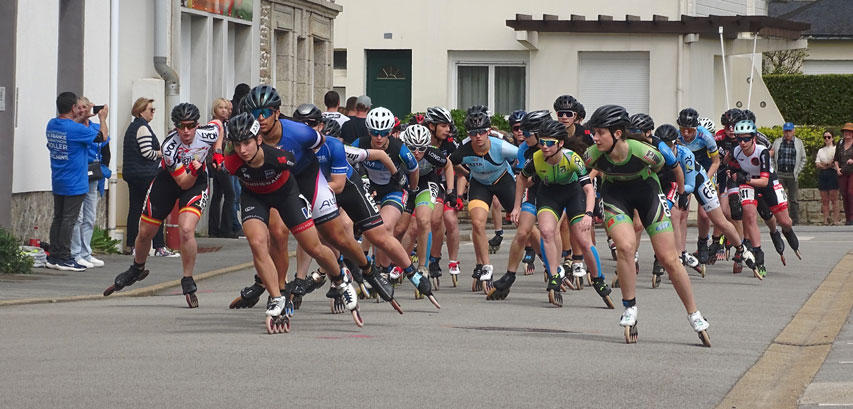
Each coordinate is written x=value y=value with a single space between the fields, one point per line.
x=68 y=142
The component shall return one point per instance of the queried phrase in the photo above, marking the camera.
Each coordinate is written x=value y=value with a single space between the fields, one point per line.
x=96 y=109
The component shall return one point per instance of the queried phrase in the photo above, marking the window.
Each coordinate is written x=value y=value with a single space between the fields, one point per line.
x=501 y=87
x=339 y=59
x=605 y=74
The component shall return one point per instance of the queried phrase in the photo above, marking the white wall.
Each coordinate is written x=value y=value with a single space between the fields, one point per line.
x=729 y=7
x=35 y=72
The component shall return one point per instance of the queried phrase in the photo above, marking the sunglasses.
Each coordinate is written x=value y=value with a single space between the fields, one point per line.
x=186 y=126
x=827 y=137
x=152 y=110
x=565 y=114
x=266 y=112
x=687 y=130
x=418 y=148
x=528 y=134
x=475 y=132
x=547 y=143
x=516 y=128
x=378 y=133
x=744 y=138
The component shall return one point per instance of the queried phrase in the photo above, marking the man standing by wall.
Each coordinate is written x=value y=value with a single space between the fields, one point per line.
x=356 y=128
x=333 y=102
x=789 y=157
x=68 y=143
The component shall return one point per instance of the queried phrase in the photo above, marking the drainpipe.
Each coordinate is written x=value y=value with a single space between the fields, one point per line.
x=679 y=73
x=162 y=27
x=112 y=197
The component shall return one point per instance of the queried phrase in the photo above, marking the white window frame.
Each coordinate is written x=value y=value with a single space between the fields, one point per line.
x=490 y=59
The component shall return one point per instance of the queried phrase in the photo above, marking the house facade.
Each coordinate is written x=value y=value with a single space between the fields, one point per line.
x=830 y=37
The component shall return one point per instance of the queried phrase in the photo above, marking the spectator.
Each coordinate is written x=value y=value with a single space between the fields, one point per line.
x=349 y=111
x=140 y=161
x=356 y=128
x=220 y=215
x=81 y=238
x=789 y=157
x=844 y=168
x=68 y=143
x=827 y=180
x=333 y=102
x=239 y=93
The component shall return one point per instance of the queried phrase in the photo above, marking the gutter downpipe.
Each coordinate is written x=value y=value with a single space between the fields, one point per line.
x=679 y=74
x=163 y=28
x=112 y=196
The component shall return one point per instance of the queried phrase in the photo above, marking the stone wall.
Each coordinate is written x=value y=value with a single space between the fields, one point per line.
x=35 y=209
x=810 y=212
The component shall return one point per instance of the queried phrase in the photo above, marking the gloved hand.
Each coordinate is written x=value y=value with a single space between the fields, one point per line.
x=683 y=201
x=218 y=158
x=398 y=179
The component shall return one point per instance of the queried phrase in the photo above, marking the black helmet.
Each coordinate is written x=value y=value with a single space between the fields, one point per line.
x=438 y=115
x=688 y=118
x=642 y=122
x=609 y=116
x=478 y=108
x=581 y=111
x=262 y=96
x=533 y=119
x=331 y=127
x=308 y=114
x=241 y=127
x=565 y=103
x=749 y=115
x=185 y=111
x=477 y=120
x=732 y=117
x=516 y=116
x=666 y=133
x=550 y=128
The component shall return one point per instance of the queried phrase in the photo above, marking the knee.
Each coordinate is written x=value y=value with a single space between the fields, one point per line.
x=258 y=244
x=548 y=233
x=626 y=247
x=479 y=223
x=187 y=231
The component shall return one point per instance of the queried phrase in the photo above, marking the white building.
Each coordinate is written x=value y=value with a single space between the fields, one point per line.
x=830 y=36
x=653 y=56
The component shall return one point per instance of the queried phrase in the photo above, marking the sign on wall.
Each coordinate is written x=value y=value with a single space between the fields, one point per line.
x=241 y=9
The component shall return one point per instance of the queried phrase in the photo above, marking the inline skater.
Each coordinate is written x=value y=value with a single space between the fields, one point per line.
x=182 y=177
x=566 y=107
x=564 y=187
x=630 y=183
x=487 y=160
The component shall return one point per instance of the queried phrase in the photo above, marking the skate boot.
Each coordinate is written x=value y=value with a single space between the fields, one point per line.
x=500 y=288
x=555 y=284
x=702 y=250
x=700 y=325
x=761 y=270
x=477 y=285
x=742 y=254
x=277 y=321
x=603 y=291
x=249 y=296
x=612 y=247
x=357 y=277
x=189 y=288
x=136 y=272
x=425 y=273
x=414 y=255
x=435 y=272
x=423 y=287
x=380 y=286
x=346 y=294
x=615 y=283
x=779 y=244
x=317 y=279
x=495 y=243
x=298 y=290
x=657 y=272
x=728 y=245
x=688 y=260
x=395 y=274
x=453 y=266
x=793 y=242
x=336 y=300
x=578 y=273
x=629 y=321
x=528 y=259
x=486 y=278
x=716 y=252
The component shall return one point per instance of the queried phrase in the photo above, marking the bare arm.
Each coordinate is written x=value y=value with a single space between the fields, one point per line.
x=383 y=158
x=338 y=182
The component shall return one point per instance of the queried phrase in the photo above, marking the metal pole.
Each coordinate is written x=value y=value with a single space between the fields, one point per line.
x=725 y=74
x=112 y=198
x=752 y=71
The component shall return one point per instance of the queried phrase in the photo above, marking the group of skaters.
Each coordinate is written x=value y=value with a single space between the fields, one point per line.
x=380 y=210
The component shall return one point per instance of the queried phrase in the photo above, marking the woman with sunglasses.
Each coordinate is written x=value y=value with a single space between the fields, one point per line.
x=564 y=188
x=757 y=177
x=827 y=181
x=183 y=178
x=487 y=160
x=630 y=183
x=389 y=189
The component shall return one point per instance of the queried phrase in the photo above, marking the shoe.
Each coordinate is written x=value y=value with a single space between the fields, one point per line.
x=94 y=261
x=84 y=263
x=52 y=263
x=165 y=252
x=69 y=265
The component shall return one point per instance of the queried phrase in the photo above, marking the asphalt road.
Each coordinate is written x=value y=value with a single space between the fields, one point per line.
x=518 y=353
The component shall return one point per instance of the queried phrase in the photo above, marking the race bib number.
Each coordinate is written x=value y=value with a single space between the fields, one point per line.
x=781 y=196
x=708 y=191
x=664 y=205
x=747 y=194
x=433 y=191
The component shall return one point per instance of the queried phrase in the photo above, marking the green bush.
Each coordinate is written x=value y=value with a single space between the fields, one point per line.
x=813 y=99
x=12 y=260
x=812 y=137
x=458 y=115
x=102 y=243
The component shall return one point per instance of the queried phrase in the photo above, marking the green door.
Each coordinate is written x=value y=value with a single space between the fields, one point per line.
x=389 y=80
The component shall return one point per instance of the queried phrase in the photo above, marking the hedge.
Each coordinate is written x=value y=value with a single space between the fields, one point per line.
x=812 y=137
x=813 y=99
x=458 y=115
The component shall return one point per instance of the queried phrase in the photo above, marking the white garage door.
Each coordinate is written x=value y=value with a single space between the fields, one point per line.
x=814 y=67
x=614 y=78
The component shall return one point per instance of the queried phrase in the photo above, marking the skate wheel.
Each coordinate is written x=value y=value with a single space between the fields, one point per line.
x=356 y=316
x=285 y=325
x=435 y=283
x=434 y=302
x=784 y=263
x=705 y=338
x=192 y=300
x=613 y=254
x=608 y=301
x=268 y=323
x=396 y=306
x=486 y=286
x=702 y=270
x=588 y=280
x=737 y=269
x=453 y=279
x=554 y=297
x=490 y=294
x=757 y=273
x=655 y=281
x=578 y=282
x=545 y=273
x=111 y=289
x=615 y=283
x=236 y=304
x=797 y=253
x=631 y=334
x=297 y=301
x=530 y=269
x=418 y=294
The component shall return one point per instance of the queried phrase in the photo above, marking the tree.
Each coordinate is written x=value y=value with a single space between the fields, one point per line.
x=784 y=62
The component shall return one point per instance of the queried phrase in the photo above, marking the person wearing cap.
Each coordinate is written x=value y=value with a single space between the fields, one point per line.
x=844 y=167
x=789 y=157
x=356 y=128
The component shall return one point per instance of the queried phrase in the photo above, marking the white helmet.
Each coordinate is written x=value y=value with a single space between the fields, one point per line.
x=708 y=124
x=417 y=136
x=379 y=119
